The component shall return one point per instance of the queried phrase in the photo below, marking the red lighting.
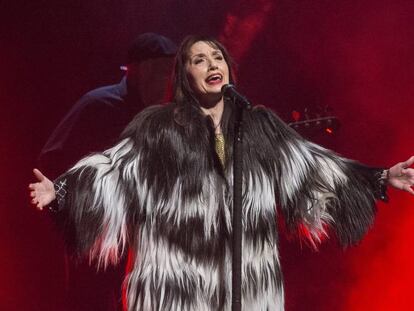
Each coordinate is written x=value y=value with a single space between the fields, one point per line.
x=245 y=22
x=295 y=115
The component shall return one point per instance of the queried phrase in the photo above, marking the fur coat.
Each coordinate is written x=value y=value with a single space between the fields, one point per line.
x=163 y=192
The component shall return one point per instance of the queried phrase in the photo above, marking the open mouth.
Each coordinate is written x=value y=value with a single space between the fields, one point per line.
x=214 y=78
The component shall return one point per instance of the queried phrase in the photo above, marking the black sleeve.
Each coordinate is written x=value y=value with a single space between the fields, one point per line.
x=317 y=188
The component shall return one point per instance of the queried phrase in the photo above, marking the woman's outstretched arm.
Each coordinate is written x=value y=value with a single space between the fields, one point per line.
x=318 y=188
x=91 y=201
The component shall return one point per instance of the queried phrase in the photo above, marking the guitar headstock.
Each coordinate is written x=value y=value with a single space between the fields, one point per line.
x=312 y=122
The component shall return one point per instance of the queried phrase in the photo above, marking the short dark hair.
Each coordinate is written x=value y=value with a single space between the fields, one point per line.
x=182 y=91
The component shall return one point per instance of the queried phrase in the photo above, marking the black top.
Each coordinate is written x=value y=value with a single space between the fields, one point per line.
x=93 y=124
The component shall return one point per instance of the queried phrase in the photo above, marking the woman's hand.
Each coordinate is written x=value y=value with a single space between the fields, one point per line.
x=400 y=176
x=42 y=192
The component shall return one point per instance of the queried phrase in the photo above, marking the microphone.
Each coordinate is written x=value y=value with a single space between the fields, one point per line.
x=229 y=90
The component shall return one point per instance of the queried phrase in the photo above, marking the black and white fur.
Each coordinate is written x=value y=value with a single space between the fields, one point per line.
x=163 y=192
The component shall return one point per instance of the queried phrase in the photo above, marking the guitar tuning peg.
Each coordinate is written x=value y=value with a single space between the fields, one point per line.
x=306 y=113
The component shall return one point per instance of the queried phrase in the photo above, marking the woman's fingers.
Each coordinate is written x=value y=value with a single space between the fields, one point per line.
x=38 y=190
x=408 y=171
x=408 y=189
x=38 y=204
x=38 y=174
x=409 y=162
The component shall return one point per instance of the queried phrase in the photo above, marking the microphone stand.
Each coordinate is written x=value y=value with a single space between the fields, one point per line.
x=237 y=208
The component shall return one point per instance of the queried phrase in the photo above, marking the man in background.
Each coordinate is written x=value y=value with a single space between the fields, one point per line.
x=93 y=124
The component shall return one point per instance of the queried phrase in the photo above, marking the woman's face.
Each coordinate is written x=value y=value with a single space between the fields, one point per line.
x=207 y=71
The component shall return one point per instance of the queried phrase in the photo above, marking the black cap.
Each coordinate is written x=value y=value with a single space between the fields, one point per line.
x=150 y=45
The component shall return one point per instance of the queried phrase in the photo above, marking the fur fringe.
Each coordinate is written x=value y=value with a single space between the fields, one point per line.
x=163 y=191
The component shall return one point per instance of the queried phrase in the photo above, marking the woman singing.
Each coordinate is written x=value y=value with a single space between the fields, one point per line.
x=165 y=192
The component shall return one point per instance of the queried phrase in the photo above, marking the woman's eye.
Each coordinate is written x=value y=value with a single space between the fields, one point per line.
x=198 y=61
x=219 y=57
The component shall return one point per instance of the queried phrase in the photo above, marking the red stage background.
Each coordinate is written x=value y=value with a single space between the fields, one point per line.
x=355 y=56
